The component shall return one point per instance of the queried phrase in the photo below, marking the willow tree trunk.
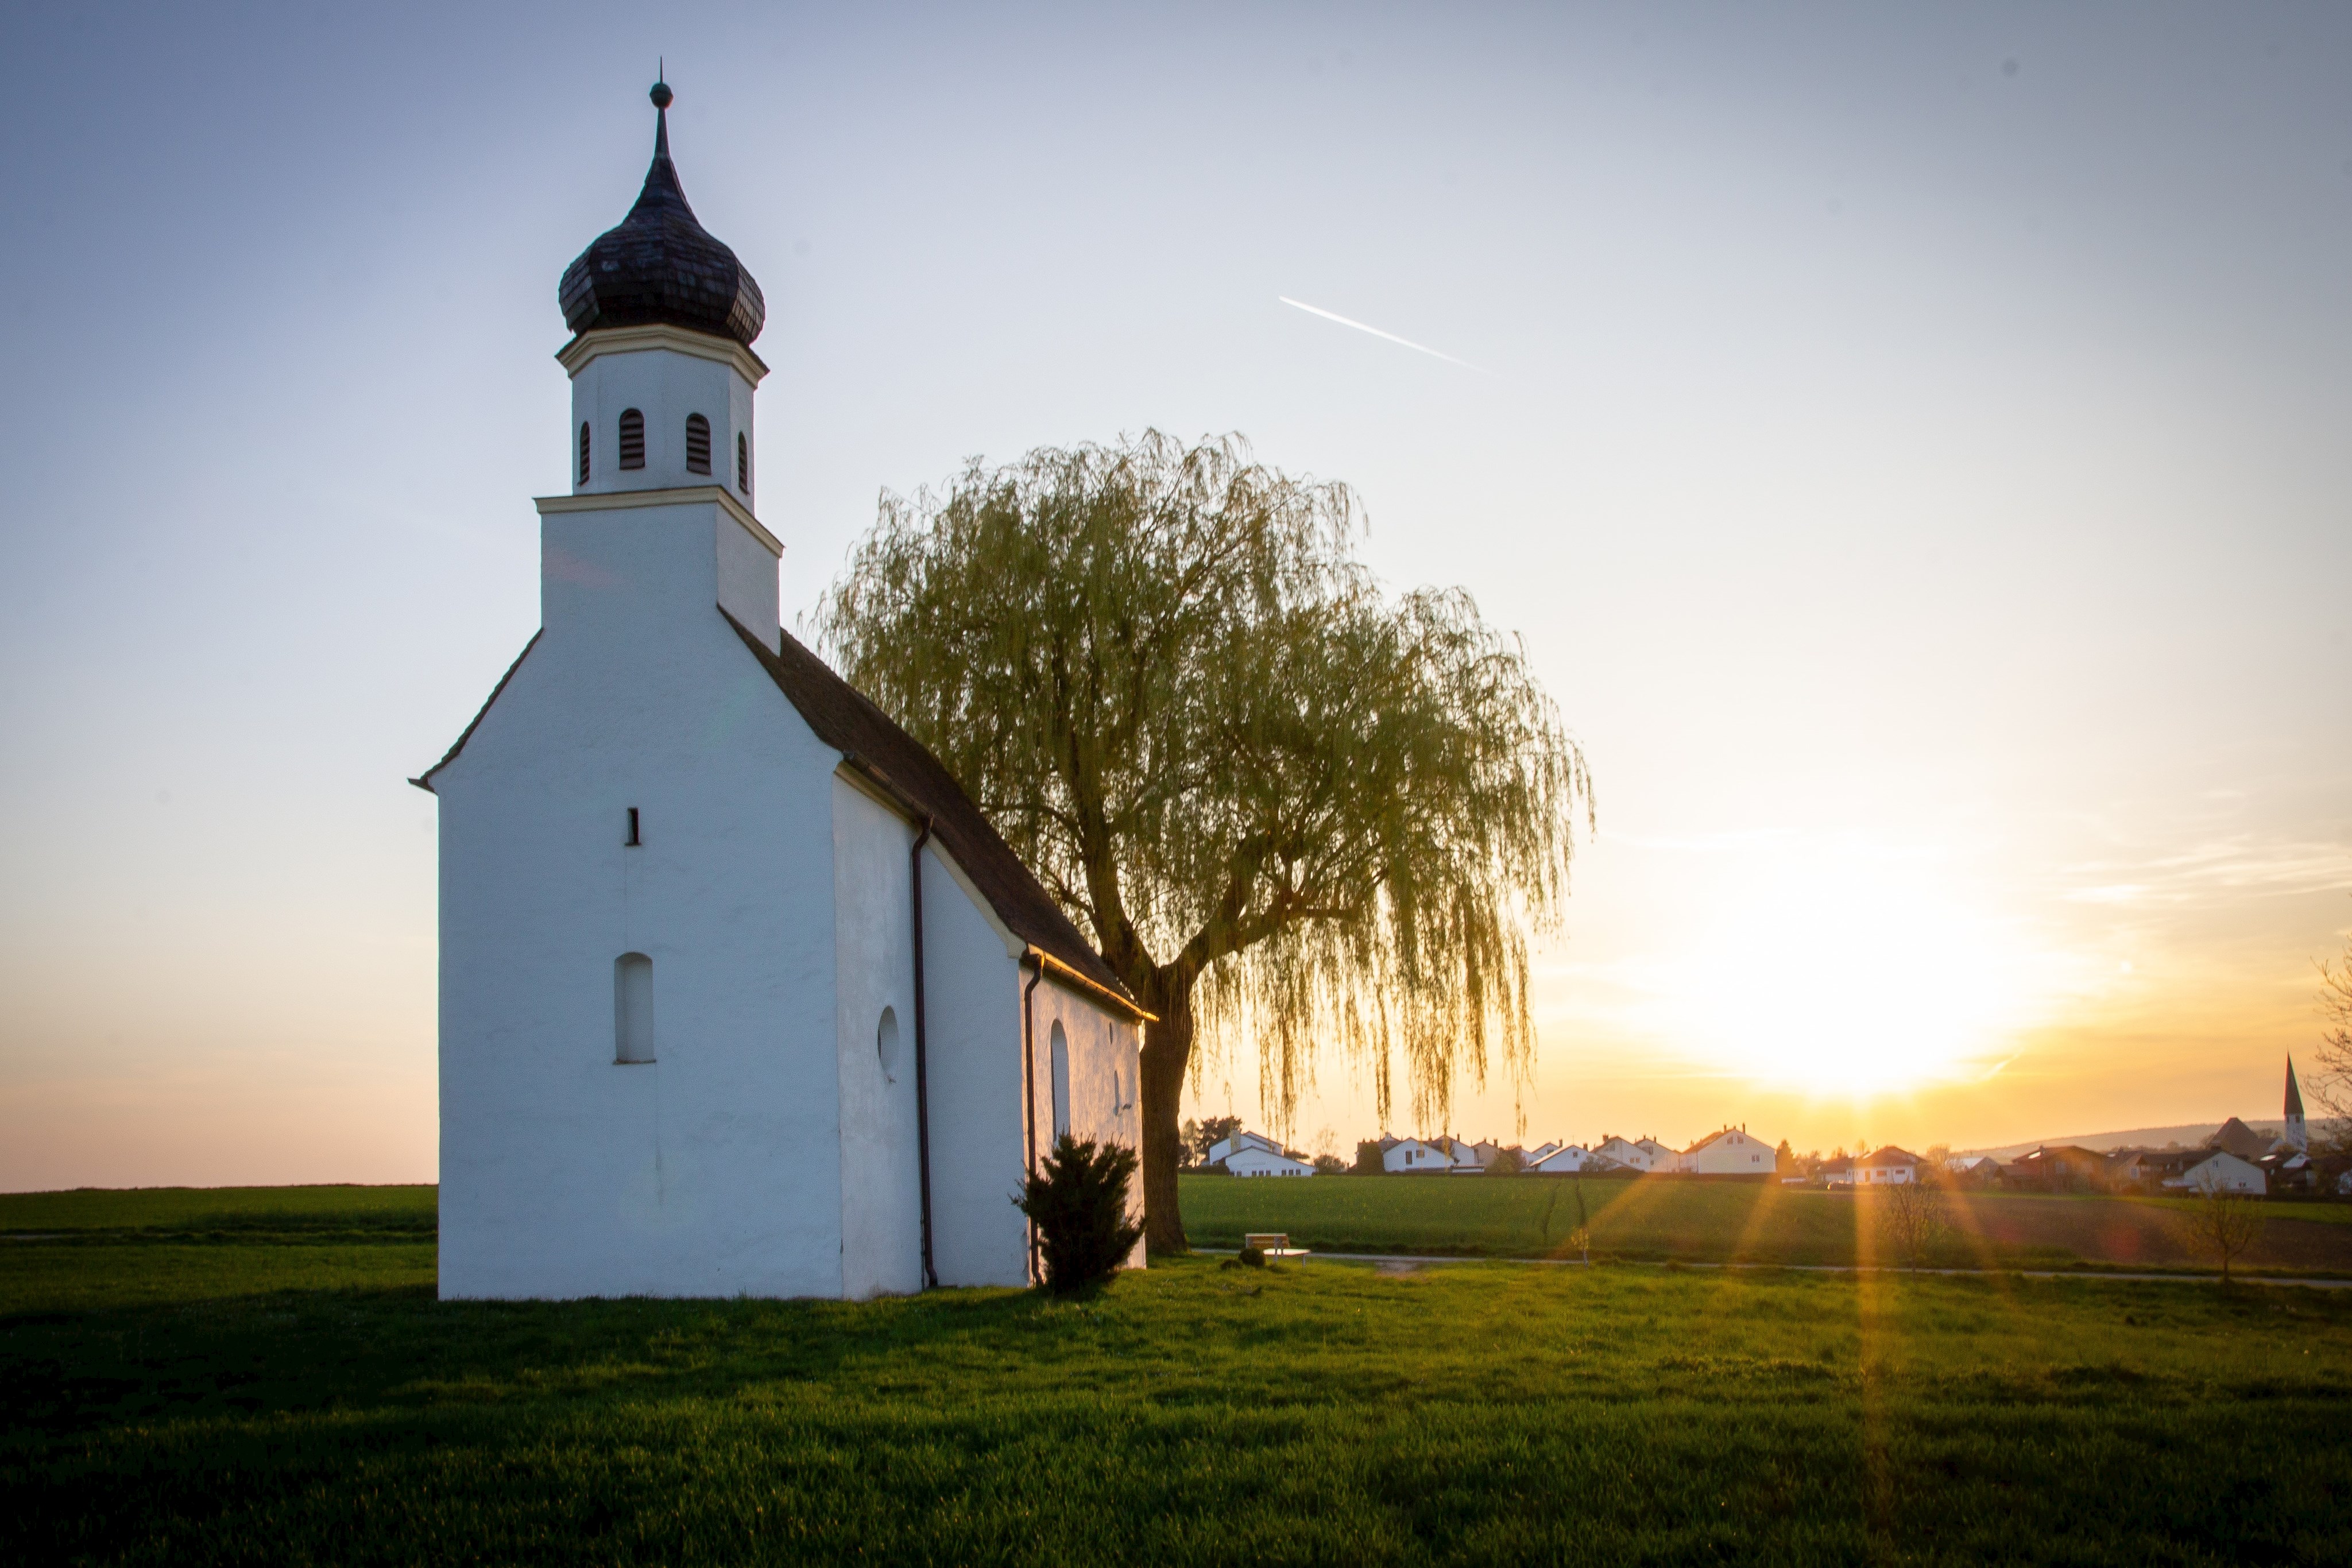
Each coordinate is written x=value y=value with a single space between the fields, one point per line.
x=1167 y=1057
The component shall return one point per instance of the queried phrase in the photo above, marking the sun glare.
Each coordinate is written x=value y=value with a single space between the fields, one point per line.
x=1858 y=975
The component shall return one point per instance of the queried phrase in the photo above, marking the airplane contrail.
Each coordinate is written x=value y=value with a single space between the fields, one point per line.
x=1375 y=331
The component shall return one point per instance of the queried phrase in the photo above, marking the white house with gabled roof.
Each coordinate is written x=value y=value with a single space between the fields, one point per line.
x=1411 y=1156
x=1256 y=1161
x=1225 y=1148
x=740 y=993
x=1643 y=1153
x=1734 y=1151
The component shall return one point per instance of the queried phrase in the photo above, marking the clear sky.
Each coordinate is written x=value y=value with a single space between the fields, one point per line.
x=1917 y=448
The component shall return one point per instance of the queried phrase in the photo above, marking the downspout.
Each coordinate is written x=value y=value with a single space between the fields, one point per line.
x=922 y=1063
x=1029 y=1087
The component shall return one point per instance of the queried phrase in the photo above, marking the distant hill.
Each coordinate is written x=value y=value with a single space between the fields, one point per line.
x=2188 y=1137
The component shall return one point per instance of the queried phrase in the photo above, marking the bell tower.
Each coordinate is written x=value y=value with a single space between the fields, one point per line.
x=2298 y=1131
x=663 y=316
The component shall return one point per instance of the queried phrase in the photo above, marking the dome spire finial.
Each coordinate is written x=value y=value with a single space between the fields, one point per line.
x=660 y=266
x=663 y=98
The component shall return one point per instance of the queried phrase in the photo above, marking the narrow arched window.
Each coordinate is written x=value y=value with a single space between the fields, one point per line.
x=697 y=444
x=742 y=463
x=1061 y=1059
x=632 y=438
x=886 y=1045
x=583 y=451
x=633 y=1007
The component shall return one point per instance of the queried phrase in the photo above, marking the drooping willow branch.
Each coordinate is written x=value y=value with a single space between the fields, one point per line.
x=1331 y=819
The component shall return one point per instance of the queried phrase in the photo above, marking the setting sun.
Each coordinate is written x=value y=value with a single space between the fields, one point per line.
x=1850 y=974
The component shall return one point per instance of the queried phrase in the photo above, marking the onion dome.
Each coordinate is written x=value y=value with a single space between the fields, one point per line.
x=660 y=265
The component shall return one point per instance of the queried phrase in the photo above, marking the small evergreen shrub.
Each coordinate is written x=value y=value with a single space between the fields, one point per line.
x=1077 y=1201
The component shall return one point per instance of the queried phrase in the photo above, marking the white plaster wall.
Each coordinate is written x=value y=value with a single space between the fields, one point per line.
x=716 y=1169
x=665 y=386
x=1105 y=1088
x=743 y=577
x=972 y=995
x=2227 y=1173
x=881 y=1212
x=1734 y=1154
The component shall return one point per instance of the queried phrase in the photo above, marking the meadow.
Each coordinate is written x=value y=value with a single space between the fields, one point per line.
x=266 y=1377
x=1666 y=1219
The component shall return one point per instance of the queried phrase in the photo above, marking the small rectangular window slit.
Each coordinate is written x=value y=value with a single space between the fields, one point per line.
x=633 y=841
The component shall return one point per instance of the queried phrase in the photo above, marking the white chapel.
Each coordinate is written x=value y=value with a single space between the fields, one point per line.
x=740 y=993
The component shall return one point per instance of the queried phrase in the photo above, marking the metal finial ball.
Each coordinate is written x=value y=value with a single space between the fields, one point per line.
x=660 y=95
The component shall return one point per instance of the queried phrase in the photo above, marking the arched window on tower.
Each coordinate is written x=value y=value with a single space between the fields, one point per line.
x=697 y=444
x=633 y=1007
x=1061 y=1059
x=583 y=451
x=632 y=438
x=742 y=463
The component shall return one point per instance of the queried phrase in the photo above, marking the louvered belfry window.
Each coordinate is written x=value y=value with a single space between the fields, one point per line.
x=697 y=444
x=583 y=452
x=742 y=463
x=632 y=439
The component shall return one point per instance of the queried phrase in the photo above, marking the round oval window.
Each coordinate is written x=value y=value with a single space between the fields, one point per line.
x=885 y=1044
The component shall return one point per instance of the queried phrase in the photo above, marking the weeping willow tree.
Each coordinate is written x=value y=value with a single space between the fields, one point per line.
x=1289 y=808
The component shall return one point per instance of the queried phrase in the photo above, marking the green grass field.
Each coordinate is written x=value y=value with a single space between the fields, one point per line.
x=266 y=1377
x=1660 y=1220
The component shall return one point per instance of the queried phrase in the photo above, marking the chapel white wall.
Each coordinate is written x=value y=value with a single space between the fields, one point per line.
x=1105 y=1088
x=972 y=996
x=881 y=1203
x=716 y=1169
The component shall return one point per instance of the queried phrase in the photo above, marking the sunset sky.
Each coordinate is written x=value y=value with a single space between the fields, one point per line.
x=1917 y=450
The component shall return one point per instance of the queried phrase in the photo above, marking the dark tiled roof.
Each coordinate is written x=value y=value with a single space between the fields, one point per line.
x=2238 y=1139
x=660 y=265
x=844 y=719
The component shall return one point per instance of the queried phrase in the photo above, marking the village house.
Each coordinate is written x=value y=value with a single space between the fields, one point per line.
x=2235 y=1137
x=2057 y=1167
x=2287 y=1170
x=2200 y=1170
x=1257 y=1162
x=1224 y=1149
x=1411 y=1156
x=739 y=992
x=1256 y=1154
x=1890 y=1166
x=1569 y=1159
x=1644 y=1154
x=1973 y=1167
x=1731 y=1152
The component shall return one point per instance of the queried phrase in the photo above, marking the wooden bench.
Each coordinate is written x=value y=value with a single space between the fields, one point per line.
x=1272 y=1244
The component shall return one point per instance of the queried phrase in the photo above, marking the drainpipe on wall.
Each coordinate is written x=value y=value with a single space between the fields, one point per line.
x=1036 y=966
x=922 y=1064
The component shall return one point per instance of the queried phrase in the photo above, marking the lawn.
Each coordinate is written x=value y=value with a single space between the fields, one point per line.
x=1660 y=1219
x=1199 y=1412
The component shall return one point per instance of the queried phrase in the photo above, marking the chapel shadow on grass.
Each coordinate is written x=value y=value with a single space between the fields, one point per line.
x=389 y=1349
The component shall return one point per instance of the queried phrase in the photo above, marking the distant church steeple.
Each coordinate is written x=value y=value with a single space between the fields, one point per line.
x=2296 y=1132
